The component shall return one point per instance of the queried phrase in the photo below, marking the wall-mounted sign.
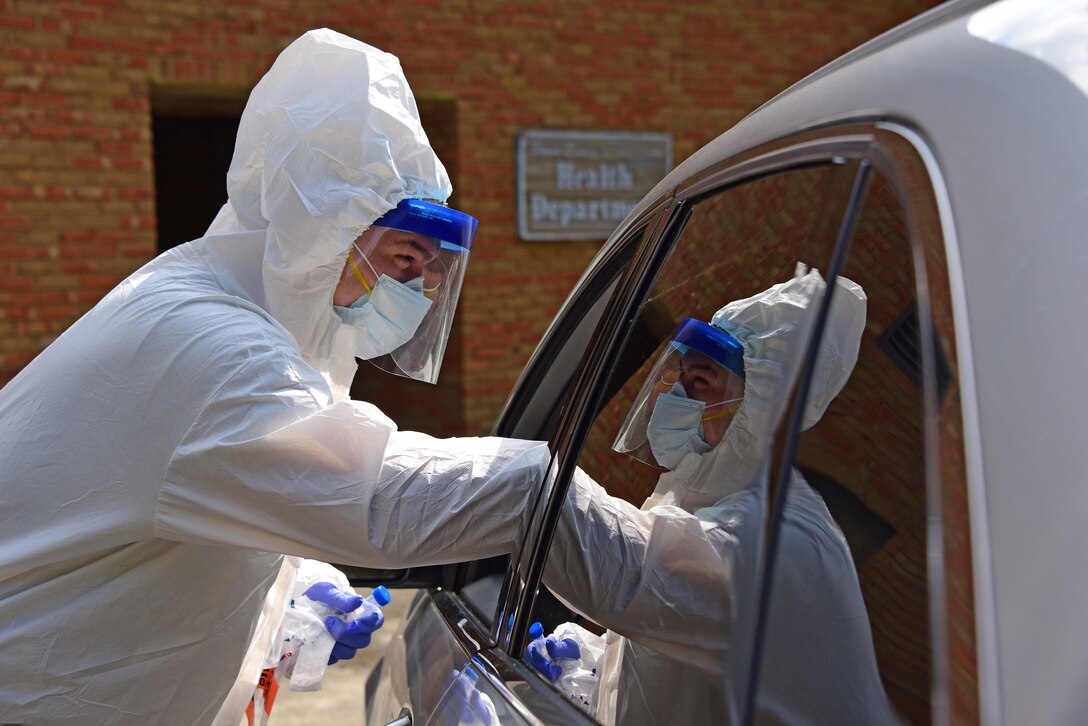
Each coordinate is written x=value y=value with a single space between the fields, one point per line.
x=581 y=184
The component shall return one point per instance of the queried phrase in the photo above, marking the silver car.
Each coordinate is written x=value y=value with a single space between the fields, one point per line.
x=942 y=167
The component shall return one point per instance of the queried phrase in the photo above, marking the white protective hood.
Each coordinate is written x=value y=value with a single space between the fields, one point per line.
x=774 y=328
x=316 y=161
x=167 y=460
x=675 y=581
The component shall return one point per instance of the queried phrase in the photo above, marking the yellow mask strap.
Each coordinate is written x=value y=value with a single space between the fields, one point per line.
x=358 y=272
x=725 y=411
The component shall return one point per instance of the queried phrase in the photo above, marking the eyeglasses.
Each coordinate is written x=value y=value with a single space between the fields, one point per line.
x=434 y=273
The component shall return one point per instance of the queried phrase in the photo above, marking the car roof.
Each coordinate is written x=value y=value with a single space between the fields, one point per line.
x=999 y=115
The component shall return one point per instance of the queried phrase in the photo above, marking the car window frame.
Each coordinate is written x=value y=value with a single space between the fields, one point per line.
x=866 y=139
x=522 y=584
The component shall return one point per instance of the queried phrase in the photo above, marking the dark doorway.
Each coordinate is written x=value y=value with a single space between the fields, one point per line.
x=192 y=130
x=192 y=156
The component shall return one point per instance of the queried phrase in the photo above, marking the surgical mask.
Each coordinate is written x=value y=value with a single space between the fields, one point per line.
x=675 y=429
x=386 y=317
x=415 y=285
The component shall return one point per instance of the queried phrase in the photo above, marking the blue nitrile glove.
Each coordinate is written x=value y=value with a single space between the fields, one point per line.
x=354 y=634
x=565 y=648
x=537 y=654
x=331 y=596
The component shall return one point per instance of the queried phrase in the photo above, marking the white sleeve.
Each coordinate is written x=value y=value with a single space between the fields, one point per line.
x=662 y=577
x=268 y=467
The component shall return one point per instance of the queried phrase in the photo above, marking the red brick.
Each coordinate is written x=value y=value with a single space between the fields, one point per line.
x=105 y=282
x=129 y=46
x=58 y=312
x=93 y=133
x=116 y=149
x=14 y=192
x=13 y=222
x=69 y=57
x=131 y=104
x=92 y=44
x=131 y=164
x=18 y=282
x=16 y=22
x=82 y=235
x=25 y=252
x=88 y=162
x=50 y=132
x=116 y=236
x=45 y=99
x=82 y=13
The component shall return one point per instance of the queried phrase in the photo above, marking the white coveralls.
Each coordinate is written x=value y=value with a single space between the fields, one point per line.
x=161 y=456
x=676 y=581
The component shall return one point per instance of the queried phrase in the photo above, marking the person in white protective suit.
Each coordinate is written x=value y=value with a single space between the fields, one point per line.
x=162 y=456
x=676 y=581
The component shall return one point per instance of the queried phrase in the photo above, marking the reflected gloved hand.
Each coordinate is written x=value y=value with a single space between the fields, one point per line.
x=463 y=704
x=537 y=655
x=541 y=652
x=565 y=648
x=350 y=635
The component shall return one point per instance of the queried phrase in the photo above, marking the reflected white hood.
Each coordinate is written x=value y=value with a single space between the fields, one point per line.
x=774 y=327
x=329 y=141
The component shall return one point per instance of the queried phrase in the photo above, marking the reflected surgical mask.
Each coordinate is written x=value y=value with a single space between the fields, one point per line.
x=675 y=428
x=387 y=316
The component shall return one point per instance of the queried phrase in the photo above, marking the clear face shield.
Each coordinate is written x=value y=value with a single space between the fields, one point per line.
x=422 y=248
x=689 y=397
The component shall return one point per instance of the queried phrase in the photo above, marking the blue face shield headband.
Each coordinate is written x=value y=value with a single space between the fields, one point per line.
x=454 y=230
x=712 y=342
x=688 y=398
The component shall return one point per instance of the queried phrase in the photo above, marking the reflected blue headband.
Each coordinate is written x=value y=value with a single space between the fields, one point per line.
x=455 y=229
x=712 y=342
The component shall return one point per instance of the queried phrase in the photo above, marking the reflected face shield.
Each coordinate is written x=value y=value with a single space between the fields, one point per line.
x=425 y=247
x=690 y=396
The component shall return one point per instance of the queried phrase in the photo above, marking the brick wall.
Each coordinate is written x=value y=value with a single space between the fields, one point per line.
x=77 y=208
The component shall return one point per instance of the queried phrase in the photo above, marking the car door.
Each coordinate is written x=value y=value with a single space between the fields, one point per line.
x=857 y=202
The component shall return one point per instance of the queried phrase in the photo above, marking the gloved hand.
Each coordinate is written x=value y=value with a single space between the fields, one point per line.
x=541 y=652
x=351 y=635
x=565 y=648
x=537 y=655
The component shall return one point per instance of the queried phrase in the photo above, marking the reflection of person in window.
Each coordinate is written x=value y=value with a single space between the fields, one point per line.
x=676 y=581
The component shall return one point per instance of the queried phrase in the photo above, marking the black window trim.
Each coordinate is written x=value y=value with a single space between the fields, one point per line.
x=780 y=472
x=526 y=562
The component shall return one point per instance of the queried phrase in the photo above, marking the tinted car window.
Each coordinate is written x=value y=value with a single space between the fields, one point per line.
x=678 y=581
